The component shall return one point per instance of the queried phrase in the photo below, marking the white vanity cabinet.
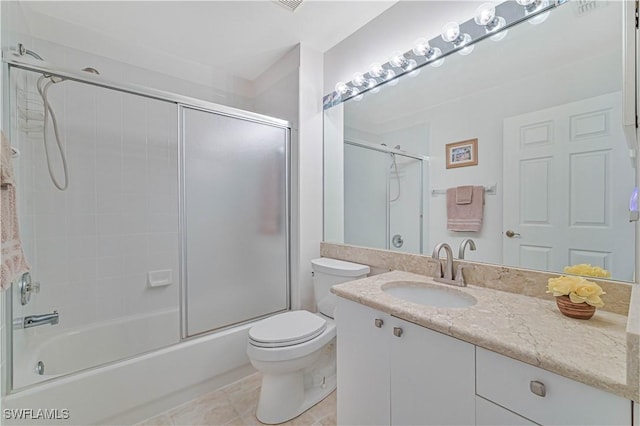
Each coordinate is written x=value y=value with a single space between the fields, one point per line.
x=395 y=372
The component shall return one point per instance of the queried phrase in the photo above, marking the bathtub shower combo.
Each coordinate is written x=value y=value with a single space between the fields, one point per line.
x=157 y=229
x=383 y=196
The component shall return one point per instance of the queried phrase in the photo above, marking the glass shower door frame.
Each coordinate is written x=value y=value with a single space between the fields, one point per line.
x=182 y=217
x=393 y=151
x=10 y=62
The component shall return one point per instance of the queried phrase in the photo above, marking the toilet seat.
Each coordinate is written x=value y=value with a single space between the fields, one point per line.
x=287 y=329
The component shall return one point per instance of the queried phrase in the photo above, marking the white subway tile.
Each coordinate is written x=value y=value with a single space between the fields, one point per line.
x=109 y=267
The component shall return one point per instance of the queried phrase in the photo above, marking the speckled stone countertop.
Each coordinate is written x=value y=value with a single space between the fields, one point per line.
x=600 y=352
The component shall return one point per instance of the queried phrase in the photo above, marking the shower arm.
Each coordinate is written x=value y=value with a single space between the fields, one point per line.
x=24 y=51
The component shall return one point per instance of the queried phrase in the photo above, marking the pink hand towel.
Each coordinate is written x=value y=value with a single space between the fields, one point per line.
x=13 y=263
x=465 y=217
x=464 y=194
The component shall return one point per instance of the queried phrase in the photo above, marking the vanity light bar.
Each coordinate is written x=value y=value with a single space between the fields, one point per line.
x=455 y=38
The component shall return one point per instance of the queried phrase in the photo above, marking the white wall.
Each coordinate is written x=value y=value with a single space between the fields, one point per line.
x=334 y=174
x=309 y=191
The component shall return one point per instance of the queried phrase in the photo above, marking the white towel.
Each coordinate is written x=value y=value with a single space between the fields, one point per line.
x=13 y=263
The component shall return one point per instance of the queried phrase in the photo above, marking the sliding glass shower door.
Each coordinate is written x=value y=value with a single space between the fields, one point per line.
x=235 y=219
x=382 y=198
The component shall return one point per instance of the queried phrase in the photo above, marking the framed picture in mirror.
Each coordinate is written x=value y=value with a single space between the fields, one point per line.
x=462 y=154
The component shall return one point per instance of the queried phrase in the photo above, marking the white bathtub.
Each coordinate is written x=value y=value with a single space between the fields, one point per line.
x=130 y=390
x=71 y=350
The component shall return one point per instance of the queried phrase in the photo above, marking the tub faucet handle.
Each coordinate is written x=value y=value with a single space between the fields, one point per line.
x=27 y=288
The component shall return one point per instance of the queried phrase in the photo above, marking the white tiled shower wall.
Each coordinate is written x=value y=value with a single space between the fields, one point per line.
x=92 y=246
x=129 y=227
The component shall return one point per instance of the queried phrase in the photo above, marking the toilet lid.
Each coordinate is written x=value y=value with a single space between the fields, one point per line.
x=286 y=329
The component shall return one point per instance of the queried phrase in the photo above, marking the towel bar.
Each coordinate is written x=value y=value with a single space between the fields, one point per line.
x=489 y=190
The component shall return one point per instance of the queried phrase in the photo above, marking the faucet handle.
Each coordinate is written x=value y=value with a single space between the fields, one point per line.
x=460 y=276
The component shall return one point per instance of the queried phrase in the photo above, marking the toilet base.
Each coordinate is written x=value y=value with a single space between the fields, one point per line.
x=283 y=397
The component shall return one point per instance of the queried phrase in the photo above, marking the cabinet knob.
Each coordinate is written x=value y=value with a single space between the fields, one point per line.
x=397 y=331
x=378 y=322
x=537 y=388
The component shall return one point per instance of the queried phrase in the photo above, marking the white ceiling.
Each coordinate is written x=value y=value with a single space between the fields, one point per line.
x=242 y=38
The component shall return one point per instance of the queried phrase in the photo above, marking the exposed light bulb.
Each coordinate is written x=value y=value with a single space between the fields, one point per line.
x=464 y=40
x=372 y=85
x=398 y=60
x=466 y=50
x=421 y=47
x=390 y=77
x=450 y=32
x=499 y=36
x=532 y=6
x=526 y=3
x=485 y=14
x=435 y=53
x=539 y=19
x=358 y=79
x=376 y=70
x=438 y=63
x=342 y=88
x=486 y=17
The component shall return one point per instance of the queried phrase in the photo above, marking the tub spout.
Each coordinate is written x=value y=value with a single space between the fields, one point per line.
x=36 y=320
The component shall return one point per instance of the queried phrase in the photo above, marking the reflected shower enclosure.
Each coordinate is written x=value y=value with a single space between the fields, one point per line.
x=383 y=197
x=174 y=222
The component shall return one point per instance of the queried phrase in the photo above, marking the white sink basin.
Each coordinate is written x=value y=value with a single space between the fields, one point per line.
x=425 y=294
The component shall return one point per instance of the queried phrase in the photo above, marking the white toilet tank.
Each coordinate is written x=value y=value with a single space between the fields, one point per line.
x=328 y=272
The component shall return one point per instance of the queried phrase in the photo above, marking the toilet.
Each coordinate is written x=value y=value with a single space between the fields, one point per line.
x=296 y=351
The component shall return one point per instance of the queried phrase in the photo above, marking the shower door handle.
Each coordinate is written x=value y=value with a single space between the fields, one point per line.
x=397 y=241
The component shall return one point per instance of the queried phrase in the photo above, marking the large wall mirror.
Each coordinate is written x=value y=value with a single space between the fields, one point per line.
x=544 y=105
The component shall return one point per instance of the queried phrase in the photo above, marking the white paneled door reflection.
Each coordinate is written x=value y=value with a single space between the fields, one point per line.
x=567 y=179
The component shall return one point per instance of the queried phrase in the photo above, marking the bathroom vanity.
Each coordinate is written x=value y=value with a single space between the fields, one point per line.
x=505 y=359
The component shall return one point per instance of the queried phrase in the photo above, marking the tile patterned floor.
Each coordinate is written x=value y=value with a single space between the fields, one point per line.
x=236 y=404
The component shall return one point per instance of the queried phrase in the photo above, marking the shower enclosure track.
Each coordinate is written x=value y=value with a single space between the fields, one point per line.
x=11 y=59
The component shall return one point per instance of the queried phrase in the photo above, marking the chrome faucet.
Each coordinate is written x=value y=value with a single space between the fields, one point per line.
x=463 y=246
x=36 y=320
x=447 y=274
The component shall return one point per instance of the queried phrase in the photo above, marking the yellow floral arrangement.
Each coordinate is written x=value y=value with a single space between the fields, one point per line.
x=586 y=270
x=578 y=289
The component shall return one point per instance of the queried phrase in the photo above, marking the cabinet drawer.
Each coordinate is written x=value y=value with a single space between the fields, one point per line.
x=507 y=382
x=490 y=414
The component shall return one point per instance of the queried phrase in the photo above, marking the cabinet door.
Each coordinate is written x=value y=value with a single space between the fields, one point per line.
x=432 y=378
x=363 y=365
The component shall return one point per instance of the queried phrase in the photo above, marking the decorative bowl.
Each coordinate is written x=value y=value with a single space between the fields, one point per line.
x=582 y=311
